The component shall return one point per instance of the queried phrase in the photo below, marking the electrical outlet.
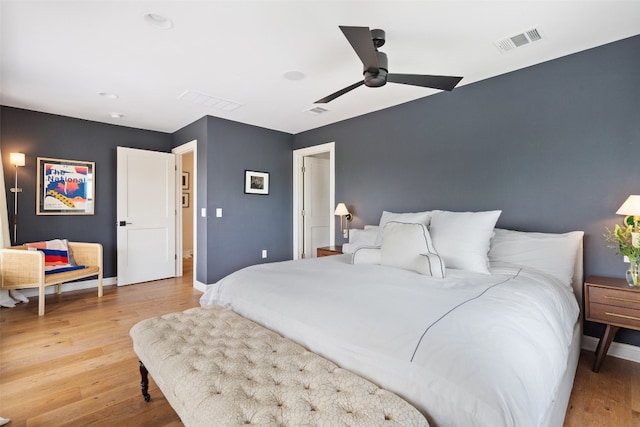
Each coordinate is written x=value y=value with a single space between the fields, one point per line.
x=218 y=212
x=626 y=259
x=264 y=253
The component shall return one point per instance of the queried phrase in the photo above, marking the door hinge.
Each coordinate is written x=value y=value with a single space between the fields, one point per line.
x=302 y=213
x=303 y=169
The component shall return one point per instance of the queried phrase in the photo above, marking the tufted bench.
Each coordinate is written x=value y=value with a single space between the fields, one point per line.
x=217 y=368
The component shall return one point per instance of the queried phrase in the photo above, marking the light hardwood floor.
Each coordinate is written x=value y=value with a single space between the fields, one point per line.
x=75 y=366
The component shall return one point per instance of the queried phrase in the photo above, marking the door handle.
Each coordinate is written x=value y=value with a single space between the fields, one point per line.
x=123 y=223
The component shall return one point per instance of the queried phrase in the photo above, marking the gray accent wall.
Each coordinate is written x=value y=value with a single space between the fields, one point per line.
x=48 y=135
x=555 y=146
x=250 y=222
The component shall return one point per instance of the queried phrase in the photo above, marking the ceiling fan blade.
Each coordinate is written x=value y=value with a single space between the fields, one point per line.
x=435 y=82
x=361 y=41
x=339 y=93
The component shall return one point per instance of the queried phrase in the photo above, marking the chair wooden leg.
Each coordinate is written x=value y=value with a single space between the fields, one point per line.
x=100 y=291
x=41 y=301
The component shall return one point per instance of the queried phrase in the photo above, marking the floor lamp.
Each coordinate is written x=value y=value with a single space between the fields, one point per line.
x=16 y=159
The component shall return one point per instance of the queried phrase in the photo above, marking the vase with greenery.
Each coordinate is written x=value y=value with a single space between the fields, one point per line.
x=626 y=242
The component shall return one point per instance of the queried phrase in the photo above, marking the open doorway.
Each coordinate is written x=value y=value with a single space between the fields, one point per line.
x=313 y=199
x=186 y=244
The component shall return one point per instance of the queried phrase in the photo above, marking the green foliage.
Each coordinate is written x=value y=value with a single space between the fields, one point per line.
x=620 y=239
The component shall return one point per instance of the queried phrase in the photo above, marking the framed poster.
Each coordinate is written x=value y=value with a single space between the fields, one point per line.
x=185 y=180
x=65 y=187
x=256 y=182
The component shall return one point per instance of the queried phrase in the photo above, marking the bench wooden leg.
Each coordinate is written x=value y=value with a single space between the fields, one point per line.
x=144 y=383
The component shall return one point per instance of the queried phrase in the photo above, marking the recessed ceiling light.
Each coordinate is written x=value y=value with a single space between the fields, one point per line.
x=294 y=75
x=108 y=95
x=158 y=21
x=116 y=115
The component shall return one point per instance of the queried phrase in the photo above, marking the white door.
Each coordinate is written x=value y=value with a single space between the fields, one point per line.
x=316 y=207
x=146 y=212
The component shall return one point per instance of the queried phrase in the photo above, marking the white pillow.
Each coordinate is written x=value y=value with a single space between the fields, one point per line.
x=366 y=255
x=359 y=238
x=463 y=238
x=410 y=217
x=554 y=254
x=408 y=246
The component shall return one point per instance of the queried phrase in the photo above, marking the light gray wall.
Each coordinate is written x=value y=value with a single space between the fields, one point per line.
x=556 y=146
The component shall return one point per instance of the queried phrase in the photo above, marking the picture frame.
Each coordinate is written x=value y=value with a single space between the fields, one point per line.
x=256 y=182
x=185 y=180
x=65 y=187
x=185 y=200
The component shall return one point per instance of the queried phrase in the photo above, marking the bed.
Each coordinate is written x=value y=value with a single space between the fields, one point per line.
x=494 y=342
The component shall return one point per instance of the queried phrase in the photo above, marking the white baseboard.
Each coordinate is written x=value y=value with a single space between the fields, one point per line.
x=88 y=284
x=71 y=286
x=623 y=351
x=202 y=287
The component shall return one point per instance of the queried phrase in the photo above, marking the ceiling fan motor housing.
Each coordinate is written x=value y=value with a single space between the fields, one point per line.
x=377 y=77
x=378 y=37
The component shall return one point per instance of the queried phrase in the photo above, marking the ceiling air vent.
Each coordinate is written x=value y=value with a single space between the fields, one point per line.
x=518 y=40
x=316 y=111
x=209 y=101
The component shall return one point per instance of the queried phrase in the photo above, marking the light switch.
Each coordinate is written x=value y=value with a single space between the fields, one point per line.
x=203 y=212
x=218 y=212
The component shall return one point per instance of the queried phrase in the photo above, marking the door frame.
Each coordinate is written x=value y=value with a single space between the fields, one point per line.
x=191 y=146
x=298 y=156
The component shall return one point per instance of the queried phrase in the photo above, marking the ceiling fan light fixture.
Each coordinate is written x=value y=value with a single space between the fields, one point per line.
x=158 y=21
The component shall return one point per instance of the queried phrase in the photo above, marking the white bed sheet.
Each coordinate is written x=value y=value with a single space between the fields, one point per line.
x=471 y=349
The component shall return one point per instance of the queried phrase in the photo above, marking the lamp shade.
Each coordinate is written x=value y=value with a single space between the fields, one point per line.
x=341 y=209
x=16 y=159
x=631 y=206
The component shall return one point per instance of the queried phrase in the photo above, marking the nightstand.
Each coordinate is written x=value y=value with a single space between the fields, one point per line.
x=329 y=250
x=614 y=303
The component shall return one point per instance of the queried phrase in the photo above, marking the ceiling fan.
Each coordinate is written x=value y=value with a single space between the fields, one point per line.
x=376 y=72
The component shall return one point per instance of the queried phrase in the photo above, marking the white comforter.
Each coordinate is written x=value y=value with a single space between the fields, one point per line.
x=470 y=349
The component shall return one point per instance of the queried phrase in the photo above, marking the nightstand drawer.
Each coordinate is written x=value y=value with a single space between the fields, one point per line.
x=621 y=316
x=328 y=251
x=614 y=297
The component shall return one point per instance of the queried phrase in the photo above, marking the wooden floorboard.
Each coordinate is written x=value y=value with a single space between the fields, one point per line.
x=76 y=367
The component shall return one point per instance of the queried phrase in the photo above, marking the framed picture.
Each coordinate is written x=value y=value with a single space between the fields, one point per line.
x=185 y=180
x=256 y=182
x=185 y=200
x=65 y=187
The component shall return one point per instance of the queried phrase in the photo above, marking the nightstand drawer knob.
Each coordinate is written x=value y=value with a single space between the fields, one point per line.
x=622 y=315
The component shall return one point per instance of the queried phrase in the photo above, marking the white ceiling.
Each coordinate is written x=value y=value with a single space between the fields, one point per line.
x=57 y=56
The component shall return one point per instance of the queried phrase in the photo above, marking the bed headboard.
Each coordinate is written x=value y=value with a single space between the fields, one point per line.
x=578 y=276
